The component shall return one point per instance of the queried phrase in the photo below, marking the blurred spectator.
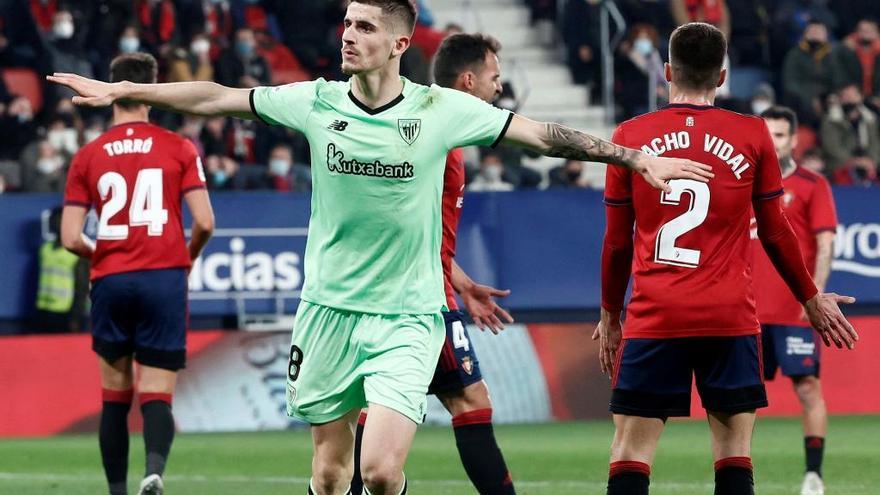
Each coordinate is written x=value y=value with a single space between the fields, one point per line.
x=106 y=21
x=790 y=18
x=129 y=41
x=221 y=172
x=763 y=98
x=310 y=32
x=212 y=17
x=20 y=39
x=193 y=64
x=812 y=160
x=240 y=66
x=489 y=176
x=570 y=174
x=285 y=174
x=849 y=129
x=95 y=127
x=807 y=73
x=43 y=168
x=63 y=130
x=158 y=23
x=66 y=55
x=859 y=170
x=452 y=28
x=62 y=287
x=580 y=32
x=858 y=56
x=709 y=11
x=17 y=127
x=43 y=12
x=637 y=61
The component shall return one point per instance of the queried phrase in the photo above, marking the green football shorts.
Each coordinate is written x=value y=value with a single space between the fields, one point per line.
x=342 y=360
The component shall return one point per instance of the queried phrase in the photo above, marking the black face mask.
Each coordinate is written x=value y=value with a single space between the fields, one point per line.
x=866 y=42
x=573 y=176
x=848 y=107
x=814 y=45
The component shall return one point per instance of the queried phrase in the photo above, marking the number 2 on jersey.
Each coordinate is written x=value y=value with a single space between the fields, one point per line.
x=665 y=250
x=146 y=204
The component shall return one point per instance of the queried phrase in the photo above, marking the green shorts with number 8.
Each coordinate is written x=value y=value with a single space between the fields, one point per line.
x=342 y=360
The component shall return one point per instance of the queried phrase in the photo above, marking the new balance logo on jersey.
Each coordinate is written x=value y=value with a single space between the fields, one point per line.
x=336 y=162
x=338 y=125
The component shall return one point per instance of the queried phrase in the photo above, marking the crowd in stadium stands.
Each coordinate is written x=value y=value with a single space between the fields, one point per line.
x=799 y=53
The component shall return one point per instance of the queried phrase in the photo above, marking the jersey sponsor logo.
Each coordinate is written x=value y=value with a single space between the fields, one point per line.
x=336 y=162
x=338 y=125
x=409 y=129
x=857 y=249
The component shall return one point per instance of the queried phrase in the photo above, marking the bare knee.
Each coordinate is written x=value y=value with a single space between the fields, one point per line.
x=382 y=477
x=808 y=390
x=331 y=476
x=472 y=398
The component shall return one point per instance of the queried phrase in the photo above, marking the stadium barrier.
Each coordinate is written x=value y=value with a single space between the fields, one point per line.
x=235 y=381
x=544 y=245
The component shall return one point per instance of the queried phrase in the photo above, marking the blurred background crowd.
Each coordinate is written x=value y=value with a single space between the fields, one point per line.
x=800 y=53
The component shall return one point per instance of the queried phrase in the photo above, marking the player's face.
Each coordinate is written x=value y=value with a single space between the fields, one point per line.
x=783 y=140
x=368 y=42
x=487 y=83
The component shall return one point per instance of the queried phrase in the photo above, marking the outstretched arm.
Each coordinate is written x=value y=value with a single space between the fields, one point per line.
x=559 y=141
x=480 y=302
x=782 y=248
x=197 y=98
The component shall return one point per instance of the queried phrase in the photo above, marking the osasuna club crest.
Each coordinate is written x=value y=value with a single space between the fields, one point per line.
x=409 y=129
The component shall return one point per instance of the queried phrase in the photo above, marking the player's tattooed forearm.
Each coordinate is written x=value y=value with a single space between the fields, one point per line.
x=565 y=142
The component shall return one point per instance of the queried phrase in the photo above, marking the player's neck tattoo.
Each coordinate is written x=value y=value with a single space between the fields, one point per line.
x=565 y=142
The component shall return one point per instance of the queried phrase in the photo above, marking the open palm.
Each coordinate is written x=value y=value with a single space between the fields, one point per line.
x=92 y=93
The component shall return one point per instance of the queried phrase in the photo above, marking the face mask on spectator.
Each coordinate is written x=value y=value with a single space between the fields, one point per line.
x=63 y=30
x=48 y=165
x=63 y=140
x=643 y=46
x=492 y=173
x=244 y=48
x=866 y=41
x=279 y=166
x=814 y=45
x=200 y=46
x=759 y=105
x=848 y=107
x=573 y=175
x=90 y=135
x=220 y=177
x=129 y=44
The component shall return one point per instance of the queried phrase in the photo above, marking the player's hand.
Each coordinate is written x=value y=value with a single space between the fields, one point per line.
x=479 y=301
x=92 y=93
x=825 y=316
x=609 y=334
x=657 y=170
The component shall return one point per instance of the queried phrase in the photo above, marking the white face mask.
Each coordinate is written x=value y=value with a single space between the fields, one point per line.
x=758 y=106
x=63 y=140
x=643 y=46
x=47 y=166
x=492 y=173
x=129 y=44
x=279 y=166
x=91 y=134
x=63 y=30
x=200 y=46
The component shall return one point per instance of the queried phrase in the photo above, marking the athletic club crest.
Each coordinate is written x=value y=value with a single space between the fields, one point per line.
x=467 y=365
x=409 y=129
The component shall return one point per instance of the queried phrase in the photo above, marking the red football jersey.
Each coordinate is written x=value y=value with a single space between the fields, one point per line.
x=691 y=260
x=135 y=176
x=809 y=207
x=453 y=199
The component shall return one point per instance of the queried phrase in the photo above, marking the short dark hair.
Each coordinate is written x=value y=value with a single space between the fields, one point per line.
x=696 y=54
x=405 y=9
x=778 y=112
x=134 y=67
x=461 y=52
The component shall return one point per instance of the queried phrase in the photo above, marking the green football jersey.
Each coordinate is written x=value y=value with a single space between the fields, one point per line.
x=377 y=180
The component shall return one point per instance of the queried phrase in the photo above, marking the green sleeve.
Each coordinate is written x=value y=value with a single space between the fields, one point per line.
x=471 y=121
x=288 y=105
